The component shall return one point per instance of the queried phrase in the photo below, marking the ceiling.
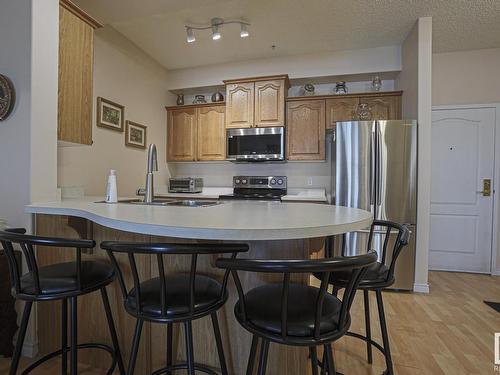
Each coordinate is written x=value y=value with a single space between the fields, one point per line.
x=292 y=26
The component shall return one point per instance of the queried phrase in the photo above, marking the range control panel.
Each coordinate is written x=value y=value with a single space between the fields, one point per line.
x=265 y=182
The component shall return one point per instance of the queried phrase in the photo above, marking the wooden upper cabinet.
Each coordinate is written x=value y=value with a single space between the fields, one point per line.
x=256 y=102
x=181 y=135
x=270 y=103
x=240 y=105
x=306 y=130
x=211 y=133
x=340 y=109
x=384 y=107
x=76 y=59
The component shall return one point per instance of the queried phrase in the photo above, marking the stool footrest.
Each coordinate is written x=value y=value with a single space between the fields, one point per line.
x=183 y=366
x=49 y=356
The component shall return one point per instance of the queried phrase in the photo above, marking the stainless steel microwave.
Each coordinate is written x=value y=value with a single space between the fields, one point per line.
x=256 y=144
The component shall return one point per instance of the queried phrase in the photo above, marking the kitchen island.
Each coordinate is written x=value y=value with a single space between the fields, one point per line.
x=272 y=229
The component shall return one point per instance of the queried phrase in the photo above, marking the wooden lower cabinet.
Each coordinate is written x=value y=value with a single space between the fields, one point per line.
x=211 y=133
x=306 y=130
x=181 y=135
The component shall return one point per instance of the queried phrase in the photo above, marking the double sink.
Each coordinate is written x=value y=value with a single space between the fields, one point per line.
x=171 y=202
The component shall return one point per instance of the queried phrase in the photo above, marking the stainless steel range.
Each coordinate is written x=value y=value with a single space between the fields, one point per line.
x=257 y=188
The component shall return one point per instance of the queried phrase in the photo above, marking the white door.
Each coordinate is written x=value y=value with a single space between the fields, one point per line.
x=463 y=153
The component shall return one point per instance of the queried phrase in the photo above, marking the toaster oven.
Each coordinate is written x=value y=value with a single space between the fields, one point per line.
x=185 y=185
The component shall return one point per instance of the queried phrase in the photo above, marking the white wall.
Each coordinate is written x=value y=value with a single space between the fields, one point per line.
x=29 y=41
x=466 y=77
x=416 y=80
x=125 y=75
x=382 y=59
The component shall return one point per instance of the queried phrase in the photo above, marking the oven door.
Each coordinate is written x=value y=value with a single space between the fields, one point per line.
x=256 y=144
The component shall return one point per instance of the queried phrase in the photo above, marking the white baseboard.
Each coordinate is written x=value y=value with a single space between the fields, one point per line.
x=495 y=273
x=421 y=288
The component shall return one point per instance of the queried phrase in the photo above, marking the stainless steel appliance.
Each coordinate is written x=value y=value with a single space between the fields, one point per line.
x=257 y=188
x=185 y=185
x=256 y=144
x=375 y=168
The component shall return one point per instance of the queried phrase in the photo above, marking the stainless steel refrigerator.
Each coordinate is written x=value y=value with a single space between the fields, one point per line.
x=375 y=168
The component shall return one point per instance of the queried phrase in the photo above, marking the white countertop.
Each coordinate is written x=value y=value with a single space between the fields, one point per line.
x=231 y=220
x=309 y=195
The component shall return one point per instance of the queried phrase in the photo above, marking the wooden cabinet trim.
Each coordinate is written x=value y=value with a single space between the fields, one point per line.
x=353 y=95
x=177 y=107
x=258 y=79
x=80 y=13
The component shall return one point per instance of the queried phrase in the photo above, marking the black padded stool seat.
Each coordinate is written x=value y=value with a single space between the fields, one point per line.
x=263 y=310
x=62 y=278
x=375 y=277
x=207 y=295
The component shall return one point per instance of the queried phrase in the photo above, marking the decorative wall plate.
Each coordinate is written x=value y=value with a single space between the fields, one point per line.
x=7 y=97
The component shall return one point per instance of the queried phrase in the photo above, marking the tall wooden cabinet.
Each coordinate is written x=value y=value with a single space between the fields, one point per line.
x=306 y=130
x=196 y=133
x=76 y=59
x=256 y=102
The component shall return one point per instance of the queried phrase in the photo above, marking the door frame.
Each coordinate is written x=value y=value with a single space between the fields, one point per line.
x=495 y=250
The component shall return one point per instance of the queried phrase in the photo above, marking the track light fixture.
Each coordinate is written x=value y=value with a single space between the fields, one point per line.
x=215 y=26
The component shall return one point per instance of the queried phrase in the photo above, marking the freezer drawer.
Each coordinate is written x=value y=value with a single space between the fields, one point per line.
x=357 y=243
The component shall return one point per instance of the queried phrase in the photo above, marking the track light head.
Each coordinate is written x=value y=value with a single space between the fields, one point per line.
x=244 y=31
x=215 y=33
x=190 y=35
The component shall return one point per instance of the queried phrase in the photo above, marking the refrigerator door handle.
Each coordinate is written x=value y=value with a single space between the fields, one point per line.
x=378 y=169
x=372 y=168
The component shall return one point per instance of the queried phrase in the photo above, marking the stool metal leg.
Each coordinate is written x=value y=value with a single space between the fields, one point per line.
x=251 y=357
x=218 y=341
x=189 y=347
x=135 y=346
x=368 y=326
x=64 y=336
x=330 y=364
x=314 y=359
x=385 y=336
x=170 y=334
x=74 y=336
x=264 y=349
x=112 y=331
x=20 y=338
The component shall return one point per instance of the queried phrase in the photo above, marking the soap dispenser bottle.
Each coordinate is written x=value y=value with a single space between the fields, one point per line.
x=111 y=191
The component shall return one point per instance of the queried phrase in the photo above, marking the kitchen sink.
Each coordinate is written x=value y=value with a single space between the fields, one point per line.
x=169 y=202
x=193 y=203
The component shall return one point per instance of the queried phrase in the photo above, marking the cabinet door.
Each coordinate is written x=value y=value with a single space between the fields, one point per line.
x=211 y=133
x=181 y=137
x=340 y=109
x=240 y=105
x=384 y=107
x=270 y=103
x=76 y=40
x=306 y=130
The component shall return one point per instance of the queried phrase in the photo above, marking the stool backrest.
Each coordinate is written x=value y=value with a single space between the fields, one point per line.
x=356 y=265
x=16 y=236
x=160 y=249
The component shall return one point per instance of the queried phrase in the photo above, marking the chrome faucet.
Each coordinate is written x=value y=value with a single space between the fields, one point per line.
x=152 y=166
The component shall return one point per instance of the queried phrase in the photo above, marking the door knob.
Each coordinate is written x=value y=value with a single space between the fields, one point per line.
x=486 y=192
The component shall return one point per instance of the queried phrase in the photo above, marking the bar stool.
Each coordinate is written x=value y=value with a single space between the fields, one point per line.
x=60 y=281
x=174 y=298
x=295 y=314
x=378 y=277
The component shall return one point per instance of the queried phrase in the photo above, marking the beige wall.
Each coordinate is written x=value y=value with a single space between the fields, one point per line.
x=466 y=77
x=125 y=75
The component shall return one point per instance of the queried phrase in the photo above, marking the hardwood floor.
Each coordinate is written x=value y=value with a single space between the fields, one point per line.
x=449 y=331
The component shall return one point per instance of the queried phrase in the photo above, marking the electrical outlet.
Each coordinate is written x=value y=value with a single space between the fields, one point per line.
x=309 y=181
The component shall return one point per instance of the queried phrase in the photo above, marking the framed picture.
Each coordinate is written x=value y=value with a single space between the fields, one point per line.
x=135 y=135
x=110 y=115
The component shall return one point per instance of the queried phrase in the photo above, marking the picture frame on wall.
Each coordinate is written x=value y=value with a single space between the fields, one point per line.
x=135 y=135
x=110 y=115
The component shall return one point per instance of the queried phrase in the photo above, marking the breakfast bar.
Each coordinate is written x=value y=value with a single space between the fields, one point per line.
x=273 y=230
